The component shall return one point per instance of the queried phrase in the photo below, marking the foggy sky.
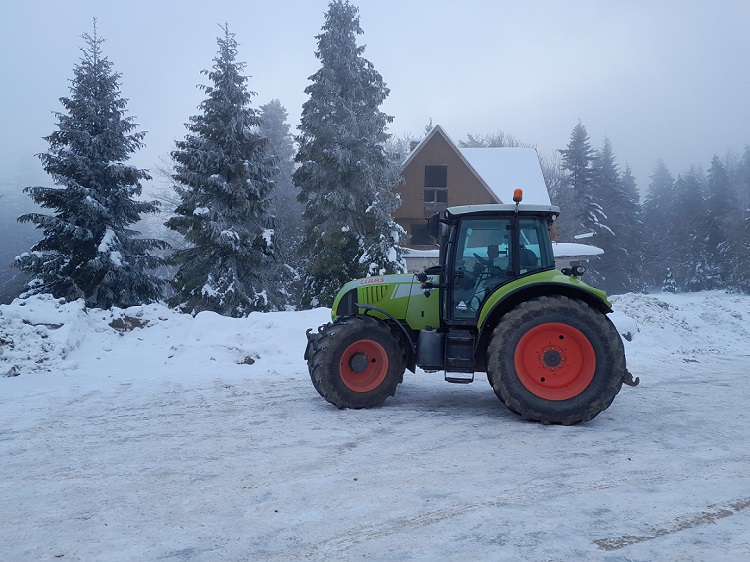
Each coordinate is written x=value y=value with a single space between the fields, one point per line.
x=662 y=79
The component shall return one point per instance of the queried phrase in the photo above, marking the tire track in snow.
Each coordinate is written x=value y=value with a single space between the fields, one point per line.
x=705 y=518
x=535 y=488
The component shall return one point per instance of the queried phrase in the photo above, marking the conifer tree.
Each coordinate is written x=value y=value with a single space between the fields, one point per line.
x=691 y=268
x=740 y=275
x=89 y=250
x=659 y=221
x=719 y=242
x=224 y=178
x=284 y=206
x=575 y=196
x=345 y=175
x=669 y=285
x=605 y=188
x=628 y=216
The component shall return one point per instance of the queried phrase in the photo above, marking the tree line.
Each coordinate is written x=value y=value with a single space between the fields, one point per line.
x=239 y=183
x=690 y=233
x=257 y=223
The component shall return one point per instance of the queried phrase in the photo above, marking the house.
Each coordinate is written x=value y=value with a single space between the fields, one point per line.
x=438 y=174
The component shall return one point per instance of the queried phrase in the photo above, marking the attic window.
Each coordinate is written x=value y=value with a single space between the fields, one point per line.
x=435 y=189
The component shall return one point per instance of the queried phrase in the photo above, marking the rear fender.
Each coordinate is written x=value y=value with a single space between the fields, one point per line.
x=511 y=295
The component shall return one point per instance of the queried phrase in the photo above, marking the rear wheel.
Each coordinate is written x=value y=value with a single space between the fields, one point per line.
x=357 y=362
x=556 y=360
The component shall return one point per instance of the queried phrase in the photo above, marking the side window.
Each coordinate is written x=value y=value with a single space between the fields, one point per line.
x=534 y=254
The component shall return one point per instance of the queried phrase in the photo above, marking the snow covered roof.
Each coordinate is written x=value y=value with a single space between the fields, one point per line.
x=507 y=168
x=572 y=250
x=500 y=169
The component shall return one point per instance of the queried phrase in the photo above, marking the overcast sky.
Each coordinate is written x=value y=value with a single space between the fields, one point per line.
x=663 y=79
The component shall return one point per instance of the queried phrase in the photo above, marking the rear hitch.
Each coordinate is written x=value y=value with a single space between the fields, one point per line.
x=628 y=380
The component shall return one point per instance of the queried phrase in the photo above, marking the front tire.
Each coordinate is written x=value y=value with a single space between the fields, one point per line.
x=556 y=360
x=357 y=362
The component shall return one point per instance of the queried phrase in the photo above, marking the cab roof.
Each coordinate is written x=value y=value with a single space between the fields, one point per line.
x=505 y=209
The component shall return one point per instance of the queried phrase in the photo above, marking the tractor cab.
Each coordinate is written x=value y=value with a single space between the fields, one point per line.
x=483 y=247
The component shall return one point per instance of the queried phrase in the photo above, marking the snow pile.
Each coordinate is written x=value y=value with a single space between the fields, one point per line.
x=686 y=324
x=38 y=333
x=41 y=333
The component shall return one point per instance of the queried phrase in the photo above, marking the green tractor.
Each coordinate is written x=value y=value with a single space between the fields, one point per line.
x=494 y=304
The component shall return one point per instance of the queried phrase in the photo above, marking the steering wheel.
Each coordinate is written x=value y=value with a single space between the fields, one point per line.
x=488 y=264
x=484 y=261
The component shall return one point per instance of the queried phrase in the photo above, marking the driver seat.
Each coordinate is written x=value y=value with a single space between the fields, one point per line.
x=528 y=258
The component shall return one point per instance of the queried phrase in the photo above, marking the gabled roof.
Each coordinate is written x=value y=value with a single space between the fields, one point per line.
x=499 y=170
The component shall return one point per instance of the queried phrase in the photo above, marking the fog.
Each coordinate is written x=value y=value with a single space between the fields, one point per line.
x=664 y=79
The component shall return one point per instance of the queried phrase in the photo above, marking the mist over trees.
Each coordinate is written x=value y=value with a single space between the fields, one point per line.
x=284 y=208
x=263 y=220
x=690 y=233
x=696 y=226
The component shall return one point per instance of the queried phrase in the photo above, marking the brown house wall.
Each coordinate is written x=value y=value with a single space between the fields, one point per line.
x=464 y=188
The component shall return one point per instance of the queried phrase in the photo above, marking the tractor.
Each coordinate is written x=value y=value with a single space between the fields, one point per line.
x=494 y=304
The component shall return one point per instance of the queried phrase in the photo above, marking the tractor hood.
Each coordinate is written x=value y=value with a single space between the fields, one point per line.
x=399 y=297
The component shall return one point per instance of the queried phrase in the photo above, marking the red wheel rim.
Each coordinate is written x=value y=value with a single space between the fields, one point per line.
x=363 y=366
x=555 y=361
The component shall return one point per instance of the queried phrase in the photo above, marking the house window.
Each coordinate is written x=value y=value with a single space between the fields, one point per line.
x=435 y=189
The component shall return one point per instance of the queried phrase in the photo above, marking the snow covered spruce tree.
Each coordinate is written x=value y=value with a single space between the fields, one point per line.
x=223 y=175
x=691 y=268
x=284 y=205
x=575 y=196
x=620 y=269
x=580 y=199
x=345 y=175
x=631 y=216
x=660 y=222
x=89 y=250
x=741 y=275
x=720 y=242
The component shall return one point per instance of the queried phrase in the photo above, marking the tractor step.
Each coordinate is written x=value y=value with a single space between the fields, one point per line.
x=459 y=354
x=459 y=378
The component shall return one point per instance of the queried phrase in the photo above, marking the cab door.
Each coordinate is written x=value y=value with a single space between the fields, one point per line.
x=481 y=262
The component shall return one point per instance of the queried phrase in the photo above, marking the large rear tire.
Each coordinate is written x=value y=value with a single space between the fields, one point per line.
x=556 y=360
x=357 y=362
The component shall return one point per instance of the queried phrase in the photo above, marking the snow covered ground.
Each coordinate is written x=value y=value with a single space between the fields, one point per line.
x=149 y=435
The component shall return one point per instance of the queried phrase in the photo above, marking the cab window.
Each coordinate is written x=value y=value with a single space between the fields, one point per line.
x=534 y=253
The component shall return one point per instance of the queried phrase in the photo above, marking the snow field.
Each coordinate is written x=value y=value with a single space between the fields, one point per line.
x=203 y=439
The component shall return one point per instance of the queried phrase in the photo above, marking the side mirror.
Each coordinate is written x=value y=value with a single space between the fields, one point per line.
x=433 y=225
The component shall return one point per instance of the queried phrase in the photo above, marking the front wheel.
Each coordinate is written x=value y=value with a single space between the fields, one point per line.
x=556 y=360
x=357 y=362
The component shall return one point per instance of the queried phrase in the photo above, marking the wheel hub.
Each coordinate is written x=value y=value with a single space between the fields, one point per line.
x=359 y=362
x=552 y=358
